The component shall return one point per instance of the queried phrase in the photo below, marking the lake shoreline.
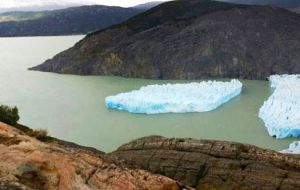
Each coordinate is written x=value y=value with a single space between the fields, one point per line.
x=73 y=107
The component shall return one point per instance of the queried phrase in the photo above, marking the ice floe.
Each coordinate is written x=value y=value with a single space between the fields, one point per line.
x=294 y=148
x=281 y=112
x=277 y=80
x=176 y=98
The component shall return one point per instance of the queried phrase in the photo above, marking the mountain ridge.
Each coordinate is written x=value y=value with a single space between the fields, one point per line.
x=148 y=5
x=73 y=20
x=40 y=5
x=189 y=39
x=279 y=3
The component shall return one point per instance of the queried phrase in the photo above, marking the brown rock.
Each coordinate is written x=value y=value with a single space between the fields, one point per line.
x=214 y=165
x=26 y=163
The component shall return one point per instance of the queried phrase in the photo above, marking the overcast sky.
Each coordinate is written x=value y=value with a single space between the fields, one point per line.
x=25 y=3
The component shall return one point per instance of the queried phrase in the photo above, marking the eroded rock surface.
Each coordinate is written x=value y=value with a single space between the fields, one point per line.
x=26 y=163
x=216 y=165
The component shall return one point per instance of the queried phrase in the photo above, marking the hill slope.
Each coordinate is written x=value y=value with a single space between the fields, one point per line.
x=21 y=16
x=296 y=10
x=190 y=39
x=77 y=20
x=149 y=5
x=40 y=5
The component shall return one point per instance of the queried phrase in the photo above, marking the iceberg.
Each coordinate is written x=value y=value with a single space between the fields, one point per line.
x=294 y=148
x=277 y=80
x=281 y=112
x=176 y=98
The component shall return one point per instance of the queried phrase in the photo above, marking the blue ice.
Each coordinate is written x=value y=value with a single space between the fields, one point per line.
x=281 y=112
x=176 y=98
x=294 y=148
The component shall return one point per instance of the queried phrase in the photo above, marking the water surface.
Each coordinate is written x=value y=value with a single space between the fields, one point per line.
x=72 y=107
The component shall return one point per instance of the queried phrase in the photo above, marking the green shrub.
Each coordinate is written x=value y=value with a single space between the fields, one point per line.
x=9 y=115
x=40 y=134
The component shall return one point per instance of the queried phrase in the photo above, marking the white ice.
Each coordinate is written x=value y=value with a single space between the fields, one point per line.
x=294 y=148
x=281 y=112
x=176 y=98
x=277 y=80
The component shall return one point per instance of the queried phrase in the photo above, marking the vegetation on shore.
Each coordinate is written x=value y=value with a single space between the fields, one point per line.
x=10 y=116
x=21 y=16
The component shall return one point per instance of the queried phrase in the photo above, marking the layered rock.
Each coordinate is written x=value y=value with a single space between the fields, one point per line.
x=214 y=165
x=190 y=39
x=26 y=163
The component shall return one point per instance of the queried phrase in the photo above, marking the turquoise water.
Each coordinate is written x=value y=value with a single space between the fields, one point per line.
x=73 y=108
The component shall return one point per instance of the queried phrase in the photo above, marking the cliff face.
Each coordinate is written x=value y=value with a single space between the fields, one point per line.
x=213 y=165
x=190 y=39
x=26 y=163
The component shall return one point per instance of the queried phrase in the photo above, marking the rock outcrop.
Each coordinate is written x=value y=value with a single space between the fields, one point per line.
x=151 y=163
x=190 y=39
x=213 y=165
x=27 y=164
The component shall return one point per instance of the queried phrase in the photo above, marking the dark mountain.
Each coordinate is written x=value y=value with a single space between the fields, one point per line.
x=76 y=20
x=21 y=16
x=149 y=5
x=51 y=6
x=279 y=3
x=190 y=39
x=296 y=10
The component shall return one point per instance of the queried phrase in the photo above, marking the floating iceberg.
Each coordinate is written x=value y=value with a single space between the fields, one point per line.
x=176 y=98
x=294 y=148
x=277 y=80
x=281 y=112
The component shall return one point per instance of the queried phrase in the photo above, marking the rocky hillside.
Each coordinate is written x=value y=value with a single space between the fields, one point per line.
x=38 y=5
x=213 y=165
x=76 y=20
x=190 y=39
x=28 y=164
x=296 y=10
x=20 y=16
x=148 y=5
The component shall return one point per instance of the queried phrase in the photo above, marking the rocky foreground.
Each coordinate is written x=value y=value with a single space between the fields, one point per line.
x=27 y=163
x=213 y=165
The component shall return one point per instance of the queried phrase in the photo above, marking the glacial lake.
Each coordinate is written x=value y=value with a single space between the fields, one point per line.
x=72 y=107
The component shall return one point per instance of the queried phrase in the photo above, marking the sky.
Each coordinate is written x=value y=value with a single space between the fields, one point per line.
x=25 y=3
